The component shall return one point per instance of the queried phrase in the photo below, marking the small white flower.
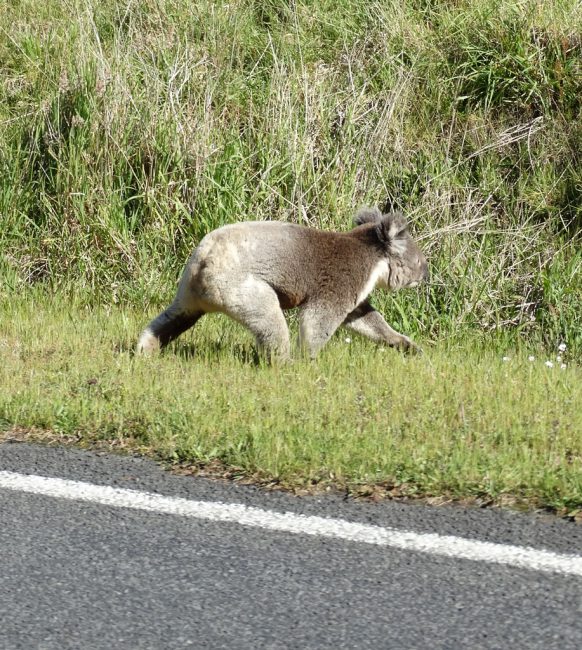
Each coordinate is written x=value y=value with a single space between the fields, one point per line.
x=531 y=358
x=559 y=359
x=563 y=366
x=348 y=339
x=549 y=364
x=505 y=359
x=562 y=347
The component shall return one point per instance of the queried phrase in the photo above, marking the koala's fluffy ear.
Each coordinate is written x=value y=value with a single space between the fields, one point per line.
x=392 y=226
x=367 y=215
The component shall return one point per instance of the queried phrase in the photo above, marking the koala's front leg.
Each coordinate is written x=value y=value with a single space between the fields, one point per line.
x=317 y=323
x=365 y=320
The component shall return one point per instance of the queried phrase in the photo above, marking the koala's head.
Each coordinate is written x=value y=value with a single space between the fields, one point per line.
x=407 y=266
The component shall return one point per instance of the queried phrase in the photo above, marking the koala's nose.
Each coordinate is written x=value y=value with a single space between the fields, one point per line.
x=425 y=272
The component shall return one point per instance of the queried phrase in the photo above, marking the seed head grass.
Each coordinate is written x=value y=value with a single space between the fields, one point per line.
x=130 y=129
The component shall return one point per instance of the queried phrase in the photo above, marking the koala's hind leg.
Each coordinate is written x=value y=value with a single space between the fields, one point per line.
x=254 y=304
x=365 y=320
x=166 y=327
x=317 y=323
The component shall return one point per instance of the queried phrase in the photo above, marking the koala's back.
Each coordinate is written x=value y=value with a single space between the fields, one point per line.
x=296 y=261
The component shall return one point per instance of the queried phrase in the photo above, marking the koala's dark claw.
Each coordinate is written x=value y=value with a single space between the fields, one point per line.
x=414 y=349
x=409 y=347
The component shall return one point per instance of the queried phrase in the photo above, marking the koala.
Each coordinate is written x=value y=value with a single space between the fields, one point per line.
x=254 y=271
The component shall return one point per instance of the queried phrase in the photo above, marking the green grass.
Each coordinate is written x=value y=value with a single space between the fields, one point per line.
x=128 y=130
x=458 y=421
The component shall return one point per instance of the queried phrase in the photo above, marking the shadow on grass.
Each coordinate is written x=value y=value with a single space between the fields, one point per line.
x=208 y=351
x=216 y=351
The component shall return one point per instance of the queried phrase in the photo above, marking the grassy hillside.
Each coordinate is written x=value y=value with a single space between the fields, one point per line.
x=128 y=129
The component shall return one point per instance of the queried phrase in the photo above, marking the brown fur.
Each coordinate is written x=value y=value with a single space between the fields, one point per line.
x=254 y=270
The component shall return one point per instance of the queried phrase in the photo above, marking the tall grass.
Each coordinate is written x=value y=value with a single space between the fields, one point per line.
x=130 y=128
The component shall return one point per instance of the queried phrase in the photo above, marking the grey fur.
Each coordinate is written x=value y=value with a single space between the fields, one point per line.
x=367 y=215
x=254 y=270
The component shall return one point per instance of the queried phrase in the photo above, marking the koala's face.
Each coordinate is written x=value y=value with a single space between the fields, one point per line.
x=408 y=265
x=404 y=264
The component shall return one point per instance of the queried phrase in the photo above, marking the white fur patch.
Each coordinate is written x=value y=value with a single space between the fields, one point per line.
x=398 y=246
x=147 y=342
x=378 y=276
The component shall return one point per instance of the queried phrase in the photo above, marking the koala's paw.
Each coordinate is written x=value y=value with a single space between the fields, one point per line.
x=147 y=344
x=408 y=346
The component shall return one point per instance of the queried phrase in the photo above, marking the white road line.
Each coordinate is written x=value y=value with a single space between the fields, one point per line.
x=434 y=544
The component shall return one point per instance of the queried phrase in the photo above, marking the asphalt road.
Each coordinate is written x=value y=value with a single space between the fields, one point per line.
x=85 y=576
